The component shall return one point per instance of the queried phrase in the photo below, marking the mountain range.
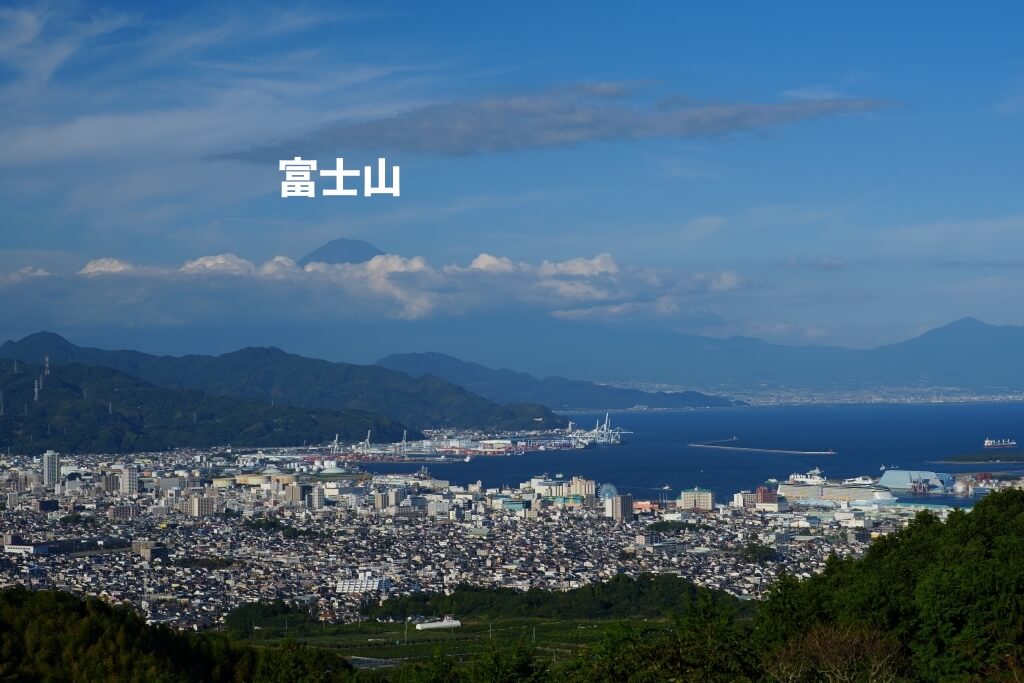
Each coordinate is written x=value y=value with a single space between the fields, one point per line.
x=557 y=393
x=81 y=408
x=967 y=354
x=271 y=375
x=421 y=391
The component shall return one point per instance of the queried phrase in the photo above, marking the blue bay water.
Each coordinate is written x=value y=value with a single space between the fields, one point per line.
x=865 y=437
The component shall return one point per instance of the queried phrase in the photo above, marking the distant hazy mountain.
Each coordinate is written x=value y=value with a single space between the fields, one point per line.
x=967 y=353
x=269 y=374
x=101 y=410
x=342 y=251
x=558 y=393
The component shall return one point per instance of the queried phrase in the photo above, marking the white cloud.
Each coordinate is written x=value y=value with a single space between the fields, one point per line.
x=575 y=290
x=106 y=266
x=391 y=263
x=228 y=264
x=493 y=264
x=26 y=273
x=277 y=267
x=599 y=265
x=387 y=286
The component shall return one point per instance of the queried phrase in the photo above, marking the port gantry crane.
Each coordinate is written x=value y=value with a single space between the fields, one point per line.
x=600 y=435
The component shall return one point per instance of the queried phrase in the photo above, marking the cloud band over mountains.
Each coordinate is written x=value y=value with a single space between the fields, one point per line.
x=385 y=287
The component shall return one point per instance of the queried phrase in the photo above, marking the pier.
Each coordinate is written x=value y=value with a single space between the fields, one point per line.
x=720 y=445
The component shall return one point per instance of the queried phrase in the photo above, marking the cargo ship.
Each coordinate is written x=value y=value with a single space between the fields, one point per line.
x=1000 y=443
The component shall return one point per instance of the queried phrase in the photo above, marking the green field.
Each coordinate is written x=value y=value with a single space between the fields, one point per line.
x=393 y=642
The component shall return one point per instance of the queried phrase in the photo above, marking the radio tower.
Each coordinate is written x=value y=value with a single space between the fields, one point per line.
x=46 y=365
x=35 y=387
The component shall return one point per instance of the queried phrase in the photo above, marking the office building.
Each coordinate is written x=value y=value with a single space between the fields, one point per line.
x=622 y=509
x=202 y=506
x=129 y=481
x=51 y=468
x=317 y=498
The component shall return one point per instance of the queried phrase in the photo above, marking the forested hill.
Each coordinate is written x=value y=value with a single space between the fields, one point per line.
x=648 y=595
x=100 y=410
x=558 y=393
x=944 y=601
x=270 y=374
x=51 y=636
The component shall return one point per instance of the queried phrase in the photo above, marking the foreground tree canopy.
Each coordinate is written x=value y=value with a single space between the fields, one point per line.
x=54 y=636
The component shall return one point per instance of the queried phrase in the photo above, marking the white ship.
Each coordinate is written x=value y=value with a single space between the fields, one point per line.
x=1000 y=443
x=814 y=477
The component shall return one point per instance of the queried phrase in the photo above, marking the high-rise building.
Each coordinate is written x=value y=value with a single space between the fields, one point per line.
x=111 y=482
x=696 y=499
x=129 y=480
x=395 y=496
x=582 y=487
x=622 y=509
x=51 y=468
x=744 y=499
x=202 y=506
x=295 y=494
x=316 y=497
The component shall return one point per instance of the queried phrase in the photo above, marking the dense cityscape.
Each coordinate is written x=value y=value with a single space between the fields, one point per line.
x=187 y=536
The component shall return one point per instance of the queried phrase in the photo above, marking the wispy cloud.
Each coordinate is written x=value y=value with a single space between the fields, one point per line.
x=555 y=118
x=825 y=263
x=36 y=42
x=814 y=92
x=1007 y=264
x=971 y=240
x=109 y=119
x=699 y=228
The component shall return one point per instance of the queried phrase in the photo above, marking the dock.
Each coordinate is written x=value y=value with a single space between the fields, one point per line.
x=718 y=445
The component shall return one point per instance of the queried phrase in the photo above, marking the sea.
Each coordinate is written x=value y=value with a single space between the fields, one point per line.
x=656 y=462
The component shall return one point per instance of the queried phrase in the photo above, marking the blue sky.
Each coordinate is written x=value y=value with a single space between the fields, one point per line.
x=800 y=172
